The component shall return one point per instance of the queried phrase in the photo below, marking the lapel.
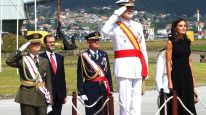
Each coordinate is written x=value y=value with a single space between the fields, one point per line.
x=57 y=60
x=100 y=56
x=46 y=56
x=41 y=61
x=30 y=56
x=91 y=56
x=98 y=61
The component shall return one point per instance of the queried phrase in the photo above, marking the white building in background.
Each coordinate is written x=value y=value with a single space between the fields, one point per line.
x=151 y=34
x=161 y=33
x=10 y=13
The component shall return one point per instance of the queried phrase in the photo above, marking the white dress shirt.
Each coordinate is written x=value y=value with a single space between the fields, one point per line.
x=37 y=56
x=93 y=52
x=53 y=55
x=127 y=67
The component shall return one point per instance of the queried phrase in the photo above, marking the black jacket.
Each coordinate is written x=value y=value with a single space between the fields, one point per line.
x=58 y=80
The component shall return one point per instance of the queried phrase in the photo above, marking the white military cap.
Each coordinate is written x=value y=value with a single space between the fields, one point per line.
x=125 y=2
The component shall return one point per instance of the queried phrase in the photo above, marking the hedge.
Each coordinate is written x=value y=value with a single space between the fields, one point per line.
x=9 y=43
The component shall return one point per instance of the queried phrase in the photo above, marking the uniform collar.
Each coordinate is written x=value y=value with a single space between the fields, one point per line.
x=93 y=52
x=125 y=21
x=32 y=55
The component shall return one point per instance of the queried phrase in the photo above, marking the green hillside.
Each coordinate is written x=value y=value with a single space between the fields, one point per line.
x=180 y=7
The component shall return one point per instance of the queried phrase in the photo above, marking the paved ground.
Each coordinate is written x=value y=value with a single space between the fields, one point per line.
x=149 y=106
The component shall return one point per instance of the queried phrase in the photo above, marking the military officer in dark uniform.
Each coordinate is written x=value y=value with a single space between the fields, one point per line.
x=93 y=74
x=34 y=94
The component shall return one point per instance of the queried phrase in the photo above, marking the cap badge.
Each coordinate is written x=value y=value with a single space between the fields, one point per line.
x=36 y=36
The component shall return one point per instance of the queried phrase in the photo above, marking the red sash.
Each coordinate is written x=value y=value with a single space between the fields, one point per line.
x=101 y=78
x=134 y=42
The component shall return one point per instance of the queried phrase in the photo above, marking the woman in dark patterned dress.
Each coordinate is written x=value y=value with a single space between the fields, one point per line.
x=179 y=71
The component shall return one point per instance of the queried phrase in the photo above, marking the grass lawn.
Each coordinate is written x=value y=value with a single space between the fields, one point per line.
x=151 y=45
x=9 y=80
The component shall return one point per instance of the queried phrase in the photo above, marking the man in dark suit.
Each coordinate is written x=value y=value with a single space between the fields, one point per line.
x=57 y=74
x=93 y=74
x=35 y=91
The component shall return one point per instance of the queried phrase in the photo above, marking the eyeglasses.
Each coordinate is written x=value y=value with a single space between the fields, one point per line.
x=50 y=42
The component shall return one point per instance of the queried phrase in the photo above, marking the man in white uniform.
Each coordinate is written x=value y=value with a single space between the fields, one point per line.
x=131 y=61
x=161 y=78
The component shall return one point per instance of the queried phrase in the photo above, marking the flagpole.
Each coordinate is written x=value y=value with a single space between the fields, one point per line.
x=17 y=27
x=1 y=41
x=17 y=32
x=35 y=16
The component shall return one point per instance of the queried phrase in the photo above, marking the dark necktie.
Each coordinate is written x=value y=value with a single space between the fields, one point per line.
x=36 y=61
x=53 y=64
x=96 y=56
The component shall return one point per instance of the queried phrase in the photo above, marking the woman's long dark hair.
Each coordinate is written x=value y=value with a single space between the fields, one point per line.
x=172 y=37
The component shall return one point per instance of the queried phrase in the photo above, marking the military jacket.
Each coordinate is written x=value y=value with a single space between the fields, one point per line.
x=87 y=71
x=30 y=95
x=127 y=67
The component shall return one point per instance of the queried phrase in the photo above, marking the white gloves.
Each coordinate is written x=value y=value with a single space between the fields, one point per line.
x=120 y=11
x=24 y=46
x=84 y=97
x=49 y=108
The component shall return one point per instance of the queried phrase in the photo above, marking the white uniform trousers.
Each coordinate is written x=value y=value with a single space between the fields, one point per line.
x=130 y=95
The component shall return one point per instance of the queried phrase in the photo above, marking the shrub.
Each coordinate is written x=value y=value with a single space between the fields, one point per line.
x=9 y=42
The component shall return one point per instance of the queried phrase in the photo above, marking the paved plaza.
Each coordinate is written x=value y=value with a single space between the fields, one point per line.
x=149 y=105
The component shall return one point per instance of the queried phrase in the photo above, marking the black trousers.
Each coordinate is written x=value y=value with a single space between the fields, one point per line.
x=32 y=110
x=56 y=107
x=93 y=110
x=93 y=91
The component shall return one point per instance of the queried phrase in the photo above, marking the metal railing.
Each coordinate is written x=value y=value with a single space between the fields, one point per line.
x=108 y=104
